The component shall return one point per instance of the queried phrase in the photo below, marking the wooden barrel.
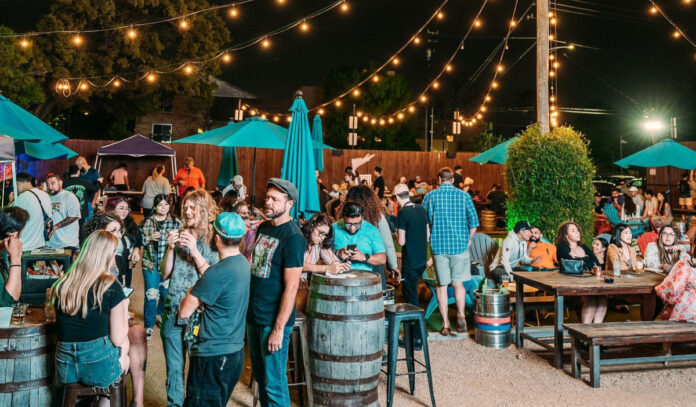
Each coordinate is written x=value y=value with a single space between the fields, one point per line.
x=492 y=320
x=26 y=362
x=346 y=338
x=487 y=220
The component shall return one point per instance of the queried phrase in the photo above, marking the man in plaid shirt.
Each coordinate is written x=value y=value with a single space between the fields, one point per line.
x=453 y=223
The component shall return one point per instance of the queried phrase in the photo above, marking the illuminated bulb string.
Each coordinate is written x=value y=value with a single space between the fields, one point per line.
x=678 y=32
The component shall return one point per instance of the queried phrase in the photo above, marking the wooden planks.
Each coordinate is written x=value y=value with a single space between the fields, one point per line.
x=634 y=332
x=643 y=283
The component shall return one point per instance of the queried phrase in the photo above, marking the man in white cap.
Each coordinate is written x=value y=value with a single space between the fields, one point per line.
x=237 y=184
x=637 y=199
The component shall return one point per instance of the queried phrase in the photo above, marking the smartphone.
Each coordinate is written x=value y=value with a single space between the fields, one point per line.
x=351 y=247
x=127 y=291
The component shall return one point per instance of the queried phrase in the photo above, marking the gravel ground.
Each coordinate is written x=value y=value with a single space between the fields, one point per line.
x=466 y=374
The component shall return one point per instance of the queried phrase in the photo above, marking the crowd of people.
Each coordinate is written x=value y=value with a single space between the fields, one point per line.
x=220 y=273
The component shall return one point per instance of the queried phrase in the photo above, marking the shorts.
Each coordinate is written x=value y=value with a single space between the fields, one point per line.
x=94 y=363
x=452 y=268
x=684 y=201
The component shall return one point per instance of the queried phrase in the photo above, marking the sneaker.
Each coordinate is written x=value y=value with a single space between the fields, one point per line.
x=149 y=332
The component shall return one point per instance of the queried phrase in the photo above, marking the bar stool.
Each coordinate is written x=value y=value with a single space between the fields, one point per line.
x=412 y=317
x=116 y=393
x=298 y=366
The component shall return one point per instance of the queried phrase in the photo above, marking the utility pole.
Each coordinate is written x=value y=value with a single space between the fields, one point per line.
x=431 y=41
x=542 y=67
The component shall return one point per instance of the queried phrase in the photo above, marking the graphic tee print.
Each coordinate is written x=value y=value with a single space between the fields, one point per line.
x=264 y=249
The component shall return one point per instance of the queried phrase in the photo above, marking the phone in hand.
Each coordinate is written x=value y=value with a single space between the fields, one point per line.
x=127 y=291
x=352 y=247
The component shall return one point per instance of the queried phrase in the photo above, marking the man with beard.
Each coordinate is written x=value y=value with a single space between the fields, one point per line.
x=513 y=255
x=66 y=211
x=543 y=251
x=358 y=241
x=276 y=266
x=188 y=256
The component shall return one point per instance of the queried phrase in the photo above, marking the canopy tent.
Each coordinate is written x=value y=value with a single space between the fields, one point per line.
x=136 y=146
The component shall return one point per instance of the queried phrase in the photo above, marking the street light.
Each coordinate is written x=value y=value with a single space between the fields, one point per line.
x=653 y=126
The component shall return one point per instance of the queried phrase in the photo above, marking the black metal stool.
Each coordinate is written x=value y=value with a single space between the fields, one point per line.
x=298 y=366
x=116 y=393
x=412 y=317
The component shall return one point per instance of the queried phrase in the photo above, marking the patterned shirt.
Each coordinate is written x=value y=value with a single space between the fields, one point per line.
x=154 y=250
x=678 y=291
x=452 y=214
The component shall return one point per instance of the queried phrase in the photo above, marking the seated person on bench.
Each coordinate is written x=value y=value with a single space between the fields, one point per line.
x=679 y=293
x=544 y=251
x=665 y=252
x=514 y=253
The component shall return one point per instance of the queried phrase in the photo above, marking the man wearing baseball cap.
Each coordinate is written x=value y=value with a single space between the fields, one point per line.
x=217 y=355
x=637 y=199
x=514 y=253
x=189 y=176
x=276 y=266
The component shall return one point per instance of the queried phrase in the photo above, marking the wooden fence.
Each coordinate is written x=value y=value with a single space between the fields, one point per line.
x=268 y=164
x=657 y=179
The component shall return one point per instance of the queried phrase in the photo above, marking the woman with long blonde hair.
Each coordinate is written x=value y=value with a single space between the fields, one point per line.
x=188 y=255
x=92 y=319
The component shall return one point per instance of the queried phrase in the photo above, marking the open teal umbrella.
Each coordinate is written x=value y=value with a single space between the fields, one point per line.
x=46 y=151
x=298 y=161
x=228 y=167
x=667 y=153
x=494 y=155
x=22 y=125
x=318 y=137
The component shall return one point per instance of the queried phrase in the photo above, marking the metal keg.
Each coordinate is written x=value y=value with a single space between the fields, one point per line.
x=492 y=322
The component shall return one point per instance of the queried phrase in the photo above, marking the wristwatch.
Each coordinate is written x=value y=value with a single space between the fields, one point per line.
x=367 y=257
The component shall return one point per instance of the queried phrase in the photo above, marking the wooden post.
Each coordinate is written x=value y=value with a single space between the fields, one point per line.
x=542 y=69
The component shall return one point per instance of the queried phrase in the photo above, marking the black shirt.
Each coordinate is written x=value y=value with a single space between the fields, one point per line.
x=458 y=180
x=414 y=220
x=563 y=252
x=379 y=186
x=275 y=249
x=96 y=325
x=83 y=190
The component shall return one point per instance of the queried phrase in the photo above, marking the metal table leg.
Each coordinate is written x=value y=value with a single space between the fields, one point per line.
x=519 y=314
x=558 y=332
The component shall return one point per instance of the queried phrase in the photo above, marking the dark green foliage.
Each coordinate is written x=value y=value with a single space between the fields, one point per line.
x=391 y=93
x=16 y=83
x=487 y=139
x=549 y=178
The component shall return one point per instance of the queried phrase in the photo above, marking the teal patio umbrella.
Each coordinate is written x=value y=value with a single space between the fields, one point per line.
x=494 y=155
x=298 y=161
x=317 y=136
x=46 y=151
x=228 y=167
x=667 y=153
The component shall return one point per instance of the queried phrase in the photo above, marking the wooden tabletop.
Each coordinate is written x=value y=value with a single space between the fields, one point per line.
x=34 y=323
x=634 y=332
x=562 y=284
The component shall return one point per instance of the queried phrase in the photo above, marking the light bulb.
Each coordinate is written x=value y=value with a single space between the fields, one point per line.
x=132 y=34
x=183 y=24
x=276 y=119
x=84 y=86
x=382 y=122
x=151 y=77
x=400 y=116
x=494 y=85
x=676 y=34
x=226 y=57
x=552 y=57
x=365 y=118
x=411 y=109
x=116 y=83
x=440 y=15
x=436 y=85
x=24 y=43
x=483 y=108
x=345 y=7
x=77 y=40
x=391 y=120
x=188 y=69
x=552 y=73
x=338 y=103
x=263 y=116
x=423 y=98
x=234 y=12
x=653 y=10
x=552 y=99
x=513 y=23
x=396 y=61
x=359 y=113
x=487 y=98
x=304 y=26
x=265 y=43
x=479 y=116
x=288 y=119
x=449 y=68
x=375 y=78
x=373 y=121
x=551 y=37
x=553 y=21
x=477 y=23
x=321 y=111
x=356 y=92
x=499 y=68
x=416 y=40
x=556 y=64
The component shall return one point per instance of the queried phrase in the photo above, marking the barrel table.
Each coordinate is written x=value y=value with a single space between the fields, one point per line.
x=346 y=338
x=26 y=362
x=487 y=221
x=492 y=321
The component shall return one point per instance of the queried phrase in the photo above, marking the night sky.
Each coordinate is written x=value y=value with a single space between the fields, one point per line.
x=625 y=60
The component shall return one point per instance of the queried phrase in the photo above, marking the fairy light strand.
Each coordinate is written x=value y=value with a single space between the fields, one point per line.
x=656 y=9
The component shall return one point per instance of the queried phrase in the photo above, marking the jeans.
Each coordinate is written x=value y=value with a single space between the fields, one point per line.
x=267 y=368
x=409 y=288
x=93 y=363
x=211 y=379
x=175 y=358
x=155 y=293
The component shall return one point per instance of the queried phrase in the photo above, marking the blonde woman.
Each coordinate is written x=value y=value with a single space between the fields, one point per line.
x=92 y=320
x=154 y=185
x=188 y=256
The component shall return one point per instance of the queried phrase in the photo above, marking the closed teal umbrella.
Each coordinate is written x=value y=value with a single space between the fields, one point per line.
x=317 y=136
x=228 y=166
x=494 y=155
x=298 y=162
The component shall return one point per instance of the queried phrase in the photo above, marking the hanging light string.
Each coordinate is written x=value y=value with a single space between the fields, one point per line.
x=553 y=64
x=183 y=17
x=63 y=85
x=678 y=32
x=414 y=39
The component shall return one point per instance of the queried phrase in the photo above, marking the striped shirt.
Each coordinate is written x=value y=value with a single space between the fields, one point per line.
x=452 y=214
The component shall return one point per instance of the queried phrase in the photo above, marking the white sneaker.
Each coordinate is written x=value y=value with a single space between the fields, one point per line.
x=149 y=331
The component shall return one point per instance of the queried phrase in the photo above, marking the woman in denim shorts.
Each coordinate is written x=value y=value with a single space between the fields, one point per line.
x=92 y=318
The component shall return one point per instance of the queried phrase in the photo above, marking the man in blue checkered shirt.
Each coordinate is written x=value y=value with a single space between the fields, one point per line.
x=453 y=223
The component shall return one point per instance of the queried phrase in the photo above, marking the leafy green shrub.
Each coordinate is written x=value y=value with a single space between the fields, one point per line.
x=549 y=178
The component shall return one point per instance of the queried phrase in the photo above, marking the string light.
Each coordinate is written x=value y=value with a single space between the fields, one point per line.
x=151 y=77
x=494 y=85
x=513 y=23
x=416 y=40
x=500 y=68
x=375 y=78
x=411 y=109
x=116 y=83
x=188 y=69
x=234 y=13
x=678 y=32
x=477 y=23
x=436 y=85
x=288 y=119
x=304 y=26
x=423 y=98
x=77 y=40
x=266 y=43
x=356 y=92
x=449 y=68
x=440 y=15
x=653 y=10
x=184 y=24
x=24 y=43
x=132 y=34
x=84 y=86
x=396 y=61
x=400 y=116
x=226 y=57
x=345 y=7
x=338 y=103
x=321 y=111
x=276 y=119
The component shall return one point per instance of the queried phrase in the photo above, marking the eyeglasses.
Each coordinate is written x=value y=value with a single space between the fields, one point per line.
x=353 y=225
x=669 y=234
x=322 y=234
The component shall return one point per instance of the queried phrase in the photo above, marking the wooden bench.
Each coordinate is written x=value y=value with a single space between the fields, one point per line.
x=623 y=334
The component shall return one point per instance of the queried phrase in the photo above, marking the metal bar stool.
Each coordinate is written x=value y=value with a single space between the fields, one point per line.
x=298 y=366
x=412 y=317
x=116 y=393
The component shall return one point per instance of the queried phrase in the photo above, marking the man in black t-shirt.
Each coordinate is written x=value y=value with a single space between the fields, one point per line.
x=378 y=185
x=458 y=179
x=276 y=266
x=83 y=190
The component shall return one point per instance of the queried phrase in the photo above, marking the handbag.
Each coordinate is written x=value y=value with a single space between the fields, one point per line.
x=47 y=221
x=572 y=267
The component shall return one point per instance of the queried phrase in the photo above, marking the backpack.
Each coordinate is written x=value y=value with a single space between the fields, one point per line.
x=48 y=222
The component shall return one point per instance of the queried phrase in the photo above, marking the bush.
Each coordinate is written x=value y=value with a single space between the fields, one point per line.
x=549 y=178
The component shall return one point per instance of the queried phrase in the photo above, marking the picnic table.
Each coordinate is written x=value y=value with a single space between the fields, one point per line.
x=561 y=286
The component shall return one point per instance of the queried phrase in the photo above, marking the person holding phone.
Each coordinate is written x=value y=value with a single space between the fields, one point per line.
x=358 y=241
x=12 y=221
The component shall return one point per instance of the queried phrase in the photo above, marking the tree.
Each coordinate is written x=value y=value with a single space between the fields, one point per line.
x=17 y=82
x=103 y=55
x=549 y=178
x=389 y=94
x=487 y=139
